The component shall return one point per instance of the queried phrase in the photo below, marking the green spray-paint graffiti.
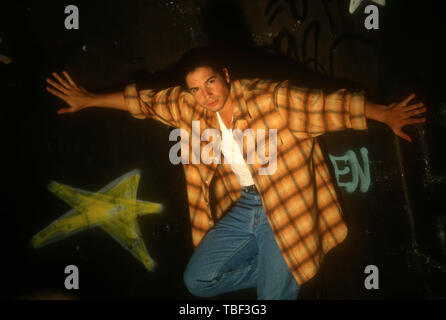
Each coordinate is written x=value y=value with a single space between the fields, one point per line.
x=351 y=165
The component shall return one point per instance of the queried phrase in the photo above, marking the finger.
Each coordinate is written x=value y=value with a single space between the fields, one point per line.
x=414 y=106
x=415 y=120
x=62 y=81
x=56 y=93
x=417 y=111
x=57 y=86
x=407 y=100
x=67 y=76
x=404 y=136
x=64 y=110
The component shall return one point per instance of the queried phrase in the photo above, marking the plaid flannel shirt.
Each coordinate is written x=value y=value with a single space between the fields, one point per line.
x=299 y=197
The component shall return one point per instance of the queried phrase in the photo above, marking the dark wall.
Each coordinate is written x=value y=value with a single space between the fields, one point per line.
x=396 y=221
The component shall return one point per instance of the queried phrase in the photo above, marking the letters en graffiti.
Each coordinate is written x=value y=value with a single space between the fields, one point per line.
x=352 y=169
x=114 y=208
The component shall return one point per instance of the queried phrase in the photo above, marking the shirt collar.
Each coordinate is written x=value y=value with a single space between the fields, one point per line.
x=239 y=107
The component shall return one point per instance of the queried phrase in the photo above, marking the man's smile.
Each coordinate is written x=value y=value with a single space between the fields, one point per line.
x=213 y=104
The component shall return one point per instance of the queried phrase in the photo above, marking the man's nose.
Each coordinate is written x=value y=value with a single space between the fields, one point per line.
x=207 y=92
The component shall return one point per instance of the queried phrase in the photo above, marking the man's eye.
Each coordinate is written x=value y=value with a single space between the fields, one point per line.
x=211 y=81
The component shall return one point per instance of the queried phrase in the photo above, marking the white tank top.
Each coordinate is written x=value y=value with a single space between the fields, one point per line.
x=234 y=155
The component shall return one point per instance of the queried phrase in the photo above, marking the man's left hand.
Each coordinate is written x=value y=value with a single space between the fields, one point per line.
x=398 y=115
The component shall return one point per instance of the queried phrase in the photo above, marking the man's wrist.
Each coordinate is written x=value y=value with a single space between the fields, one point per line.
x=91 y=100
x=375 y=111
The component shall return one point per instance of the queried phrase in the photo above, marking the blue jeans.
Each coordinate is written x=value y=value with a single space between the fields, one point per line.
x=240 y=252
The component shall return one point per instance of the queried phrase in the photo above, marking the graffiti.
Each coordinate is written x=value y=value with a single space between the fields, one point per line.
x=286 y=42
x=274 y=7
x=114 y=208
x=354 y=4
x=352 y=166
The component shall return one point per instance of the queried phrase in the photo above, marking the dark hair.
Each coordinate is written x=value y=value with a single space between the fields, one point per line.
x=206 y=56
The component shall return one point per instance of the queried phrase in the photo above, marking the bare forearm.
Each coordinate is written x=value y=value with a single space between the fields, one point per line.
x=79 y=98
x=374 y=111
x=113 y=100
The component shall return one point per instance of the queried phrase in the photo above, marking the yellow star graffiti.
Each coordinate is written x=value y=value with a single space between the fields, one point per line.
x=114 y=208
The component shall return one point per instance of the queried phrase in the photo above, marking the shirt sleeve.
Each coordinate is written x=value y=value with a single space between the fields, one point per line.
x=311 y=112
x=162 y=105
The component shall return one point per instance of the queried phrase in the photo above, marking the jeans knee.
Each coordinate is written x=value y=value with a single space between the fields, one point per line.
x=194 y=285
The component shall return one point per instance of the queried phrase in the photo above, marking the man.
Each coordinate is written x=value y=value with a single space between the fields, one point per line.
x=271 y=231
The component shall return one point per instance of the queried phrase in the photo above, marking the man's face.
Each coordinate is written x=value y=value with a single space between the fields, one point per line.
x=208 y=87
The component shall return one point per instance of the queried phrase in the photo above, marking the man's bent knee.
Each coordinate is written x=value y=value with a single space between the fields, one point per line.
x=195 y=286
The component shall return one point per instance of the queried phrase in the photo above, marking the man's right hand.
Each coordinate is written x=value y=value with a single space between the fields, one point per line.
x=75 y=96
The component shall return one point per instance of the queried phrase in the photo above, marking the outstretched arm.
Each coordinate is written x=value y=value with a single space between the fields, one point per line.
x=78 y=98
x=396 y=115
x=312 y=113
x=160 y=105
